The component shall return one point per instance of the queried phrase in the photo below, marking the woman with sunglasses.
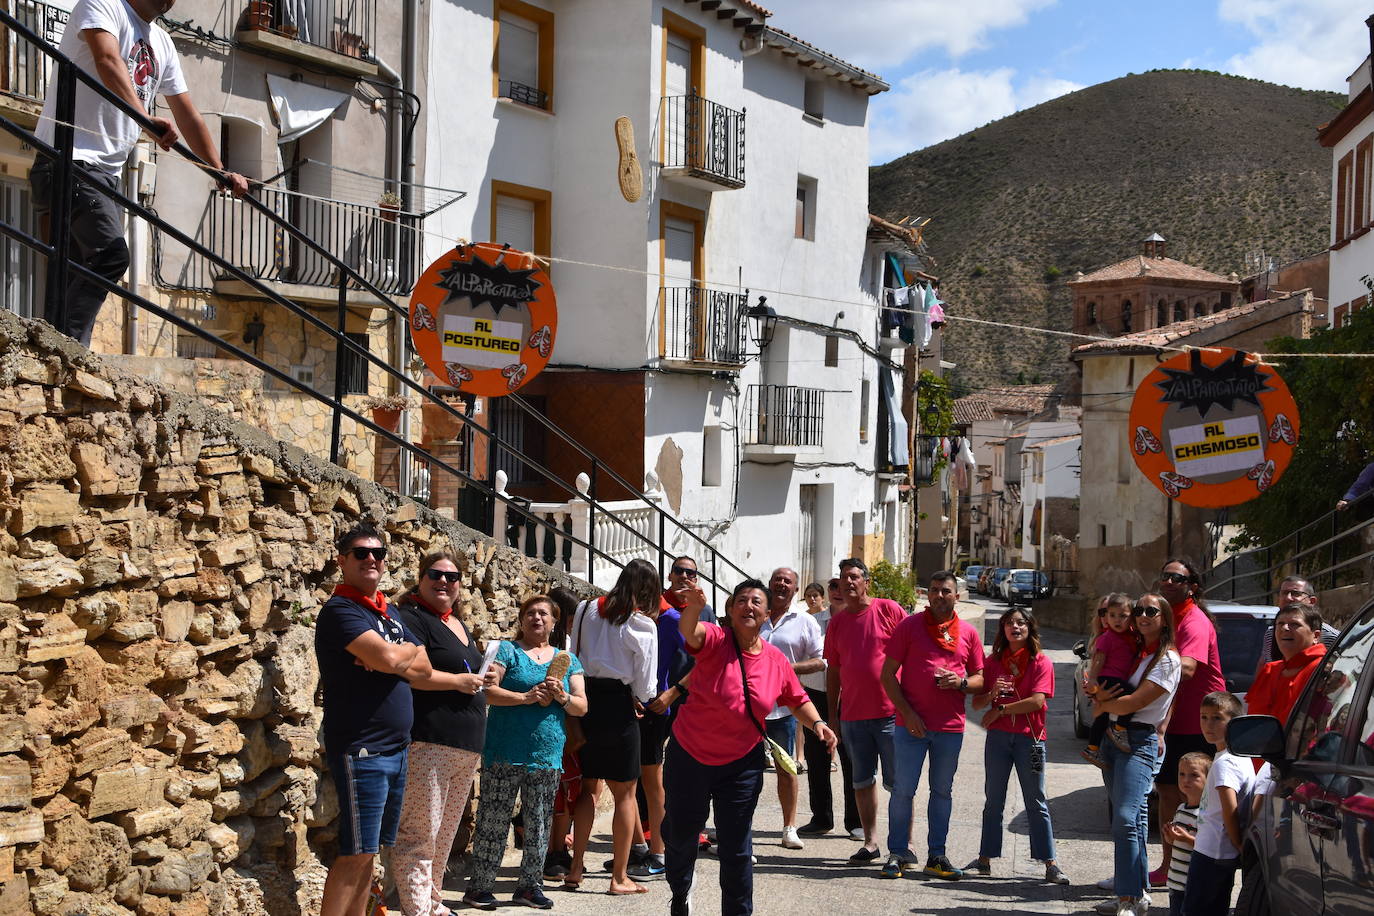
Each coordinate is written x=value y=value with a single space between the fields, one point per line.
x=616 y=638
x=535 y=686
x=715 y=758
x=446 y=739
x=1019 y=678
x=1152 y=685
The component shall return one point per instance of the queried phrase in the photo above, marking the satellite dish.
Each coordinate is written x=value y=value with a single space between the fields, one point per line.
x=629 y=173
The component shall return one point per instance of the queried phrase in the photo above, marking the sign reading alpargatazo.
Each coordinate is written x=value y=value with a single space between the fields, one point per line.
x=1213 y=427
x=483 y=318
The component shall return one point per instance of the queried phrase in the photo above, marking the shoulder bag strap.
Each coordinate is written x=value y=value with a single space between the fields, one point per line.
x=744 y=679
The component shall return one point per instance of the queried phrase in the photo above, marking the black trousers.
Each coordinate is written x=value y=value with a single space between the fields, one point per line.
x=97 y=242
x=818 y=773
x=692 y=789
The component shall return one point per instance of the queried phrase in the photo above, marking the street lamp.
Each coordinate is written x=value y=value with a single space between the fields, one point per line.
x=764 y=323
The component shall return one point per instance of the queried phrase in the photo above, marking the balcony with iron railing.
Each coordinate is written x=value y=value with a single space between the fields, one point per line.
x=25 y=72
x=703 y=327
x=783 y=419
x=703 y=143
x=338 y=34
x=525 y=95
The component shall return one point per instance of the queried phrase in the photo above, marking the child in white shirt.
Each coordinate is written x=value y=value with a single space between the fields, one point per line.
x=1216 y=850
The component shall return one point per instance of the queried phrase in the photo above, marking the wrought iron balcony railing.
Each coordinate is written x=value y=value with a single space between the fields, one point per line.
x=784 y=415
x=367 y=238
x=345 y=27
x=525 y=95
x=703 y=325
x=703 y=140
x=26 y=69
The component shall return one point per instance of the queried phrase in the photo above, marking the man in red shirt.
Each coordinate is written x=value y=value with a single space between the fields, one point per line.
x=1297 y=629
x=855 y=646
x=1196 y=640
x=941 y=661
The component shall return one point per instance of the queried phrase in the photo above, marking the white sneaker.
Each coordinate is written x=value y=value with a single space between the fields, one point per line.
x=790 y=840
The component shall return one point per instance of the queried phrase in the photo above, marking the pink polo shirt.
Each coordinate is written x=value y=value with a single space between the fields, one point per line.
x=1196 y=638
x=920 y=656
x=1038 y=678
x=854 y=645
x=713 y=725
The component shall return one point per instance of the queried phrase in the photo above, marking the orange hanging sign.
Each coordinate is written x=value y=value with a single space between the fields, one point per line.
x=1213 y=427
x=484 y=317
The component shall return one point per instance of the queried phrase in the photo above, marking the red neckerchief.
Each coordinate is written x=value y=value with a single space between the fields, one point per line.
x=669 y=600
x=1182 y=610
x=376 y=602
x=442 y=615
x=1304 y=658
x=1017 y=663
x=1149 y=649
x=945 y=635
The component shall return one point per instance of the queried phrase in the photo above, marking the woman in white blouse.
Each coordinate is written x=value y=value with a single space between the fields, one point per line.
x=616 y=639
x=1129 y=776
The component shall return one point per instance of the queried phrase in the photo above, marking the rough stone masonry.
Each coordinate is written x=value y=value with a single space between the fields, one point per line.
x=161 y=566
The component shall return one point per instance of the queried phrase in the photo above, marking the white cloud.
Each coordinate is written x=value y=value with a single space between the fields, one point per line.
x=889 y=33
x=1314 y=44
x=934 y=105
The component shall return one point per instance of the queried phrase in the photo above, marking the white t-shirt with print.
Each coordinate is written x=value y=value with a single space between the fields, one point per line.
x=1165 y=673
x=1233 y=773
x=104 y=135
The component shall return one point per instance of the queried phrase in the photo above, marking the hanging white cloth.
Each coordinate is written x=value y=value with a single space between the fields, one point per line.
x=299 y=108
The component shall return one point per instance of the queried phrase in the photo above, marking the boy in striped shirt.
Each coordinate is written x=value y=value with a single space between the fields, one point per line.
x=1192 y=781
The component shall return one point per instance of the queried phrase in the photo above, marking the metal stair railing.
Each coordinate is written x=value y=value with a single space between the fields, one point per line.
x=57 y=252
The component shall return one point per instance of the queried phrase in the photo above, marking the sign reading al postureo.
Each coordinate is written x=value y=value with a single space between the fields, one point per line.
x=1213 y=427
x=483 y=317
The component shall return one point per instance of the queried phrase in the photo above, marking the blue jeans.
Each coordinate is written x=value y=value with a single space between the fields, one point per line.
x=784 y=731
x=1128 y=778
x=870 y=744
x=1209 y=885
x=691 y=790
x=370 y=791
x=910 y=754
x=1001 y=752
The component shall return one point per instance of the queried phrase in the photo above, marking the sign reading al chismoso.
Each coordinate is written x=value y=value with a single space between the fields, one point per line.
x=1213 y=427
x=483 y=317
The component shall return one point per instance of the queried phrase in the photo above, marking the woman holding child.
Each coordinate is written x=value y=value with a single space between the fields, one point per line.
x=1019 y=678
x=1129 y=774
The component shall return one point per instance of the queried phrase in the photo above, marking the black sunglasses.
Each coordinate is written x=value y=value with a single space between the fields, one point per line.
x=1174 y=578
x=1145 y=610
x=434 y=575
x=685 y=571
x=362 y=553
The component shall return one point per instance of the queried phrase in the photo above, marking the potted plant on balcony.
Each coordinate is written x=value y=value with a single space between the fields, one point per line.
x=258 y=15
x=390 y=204
x=386 y=411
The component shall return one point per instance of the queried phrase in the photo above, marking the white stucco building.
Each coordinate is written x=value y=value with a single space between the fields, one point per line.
x=754 y=154
x=1350 y=137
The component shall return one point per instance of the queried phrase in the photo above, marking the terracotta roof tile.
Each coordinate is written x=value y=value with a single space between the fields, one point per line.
x=1018 y=398
x=824 y=60
x=972 y=408
x=1156 y=268
x=1055 y=441
x=1169 y=334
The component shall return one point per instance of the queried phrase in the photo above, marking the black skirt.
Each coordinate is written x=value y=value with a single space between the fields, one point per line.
x=612 y=732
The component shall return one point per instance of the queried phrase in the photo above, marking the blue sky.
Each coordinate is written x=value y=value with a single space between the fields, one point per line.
x=957 y=64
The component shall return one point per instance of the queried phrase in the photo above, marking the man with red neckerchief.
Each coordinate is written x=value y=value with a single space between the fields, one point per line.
x=1196 y=640
x=1297 y=629
x=941 y=661
x=367 y=658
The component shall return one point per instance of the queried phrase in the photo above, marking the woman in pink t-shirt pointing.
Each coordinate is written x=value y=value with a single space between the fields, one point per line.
x=716 y=756
x=1019 y=678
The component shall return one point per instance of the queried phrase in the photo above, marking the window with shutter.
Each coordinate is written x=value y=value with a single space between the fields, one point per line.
x=523 y=69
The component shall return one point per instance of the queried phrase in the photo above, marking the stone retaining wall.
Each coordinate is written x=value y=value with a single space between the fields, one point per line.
x=161 y=566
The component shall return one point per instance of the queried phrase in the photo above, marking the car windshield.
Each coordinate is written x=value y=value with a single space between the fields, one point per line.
x=1239 y=639
x=1023 y=578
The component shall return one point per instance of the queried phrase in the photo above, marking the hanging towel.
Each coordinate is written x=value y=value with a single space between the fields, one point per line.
x=897 y=454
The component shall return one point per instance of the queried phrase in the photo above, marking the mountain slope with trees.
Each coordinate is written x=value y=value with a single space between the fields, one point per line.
x=1223 y=167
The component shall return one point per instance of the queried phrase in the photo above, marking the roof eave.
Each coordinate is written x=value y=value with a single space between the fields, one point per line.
x=808 y=55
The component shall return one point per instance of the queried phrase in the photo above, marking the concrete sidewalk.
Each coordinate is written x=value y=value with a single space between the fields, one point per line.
x=819 y=880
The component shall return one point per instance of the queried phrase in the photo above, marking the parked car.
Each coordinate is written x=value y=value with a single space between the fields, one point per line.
x=1241 y=629
x=1309 y=847
x=971 y=574
x=1023 y=585
x=984 y=578
x=995 y=581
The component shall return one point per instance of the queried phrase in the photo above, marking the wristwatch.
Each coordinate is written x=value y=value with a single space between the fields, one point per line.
x=963 y=685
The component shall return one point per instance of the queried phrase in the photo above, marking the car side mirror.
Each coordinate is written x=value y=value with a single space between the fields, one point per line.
x=1255 y=736
x=1080 y=648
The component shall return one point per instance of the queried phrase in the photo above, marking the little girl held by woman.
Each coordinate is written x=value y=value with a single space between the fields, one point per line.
x=1113 y=659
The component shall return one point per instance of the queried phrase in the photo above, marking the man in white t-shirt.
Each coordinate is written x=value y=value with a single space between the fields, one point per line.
x=117 y=42
x=791 y=630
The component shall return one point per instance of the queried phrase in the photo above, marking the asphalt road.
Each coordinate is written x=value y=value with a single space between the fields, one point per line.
x=818 y=879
